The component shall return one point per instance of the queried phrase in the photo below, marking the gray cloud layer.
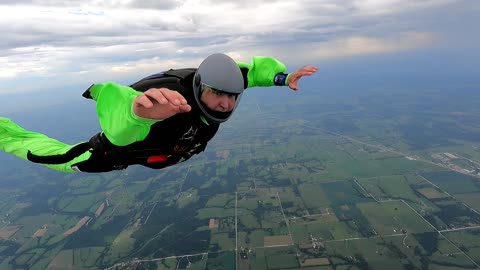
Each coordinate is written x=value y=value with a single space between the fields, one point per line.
x=99 y=40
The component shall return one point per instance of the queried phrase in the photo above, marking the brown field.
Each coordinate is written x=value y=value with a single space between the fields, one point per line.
x=8 y=231
x=40 y=232
x=78 y=226
x=315 y=262
x=277 y=240
x=432 y=193
x=100 y=210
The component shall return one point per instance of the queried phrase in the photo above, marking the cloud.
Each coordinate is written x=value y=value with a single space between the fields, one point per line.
x=396 y=6
x=42 y=2
x=355 y=46
x=83 y=39
x=154 y=4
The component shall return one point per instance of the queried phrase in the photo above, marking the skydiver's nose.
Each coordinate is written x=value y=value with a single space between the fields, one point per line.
x=224 y=102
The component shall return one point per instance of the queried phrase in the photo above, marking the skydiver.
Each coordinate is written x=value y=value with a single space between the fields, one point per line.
x=158 y=121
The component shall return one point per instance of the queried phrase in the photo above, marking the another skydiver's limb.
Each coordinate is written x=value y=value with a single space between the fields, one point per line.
x=18 y=141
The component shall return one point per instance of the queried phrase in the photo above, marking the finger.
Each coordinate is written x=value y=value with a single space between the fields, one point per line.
x=181 y=108
x=173 y=97
x=293 y=86
x=156 y=95
x=309 y=70
x=144 y=101
x=184 y=108
x=305 y=73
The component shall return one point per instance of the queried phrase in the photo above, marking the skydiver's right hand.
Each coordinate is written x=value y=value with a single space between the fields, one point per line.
x=160 y=103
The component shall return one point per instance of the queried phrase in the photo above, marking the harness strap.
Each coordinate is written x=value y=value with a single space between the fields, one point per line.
x=74 y=152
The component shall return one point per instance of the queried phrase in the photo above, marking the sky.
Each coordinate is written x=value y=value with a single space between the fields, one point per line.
x=64 y=45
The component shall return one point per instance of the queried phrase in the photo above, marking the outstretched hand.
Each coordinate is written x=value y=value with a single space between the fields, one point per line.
x=160 y=103
x=294 y=77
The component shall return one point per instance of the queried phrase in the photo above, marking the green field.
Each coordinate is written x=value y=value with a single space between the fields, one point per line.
x=453 y=182
x=389 y=187
x=324 y=231
x=468 y=241
x=471 y=199
x=391 y=217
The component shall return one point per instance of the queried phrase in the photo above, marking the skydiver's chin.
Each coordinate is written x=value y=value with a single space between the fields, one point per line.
x=217 y=114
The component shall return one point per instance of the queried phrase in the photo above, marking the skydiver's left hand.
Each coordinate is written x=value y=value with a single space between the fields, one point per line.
x=294 y=77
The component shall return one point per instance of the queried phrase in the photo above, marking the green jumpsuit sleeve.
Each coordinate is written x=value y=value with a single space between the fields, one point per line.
x=262 y=70
x=115 y=113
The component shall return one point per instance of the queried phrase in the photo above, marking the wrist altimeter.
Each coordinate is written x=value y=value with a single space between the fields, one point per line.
x=280 y=79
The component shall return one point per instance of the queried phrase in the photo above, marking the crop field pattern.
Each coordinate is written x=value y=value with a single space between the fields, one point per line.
x=329 y=189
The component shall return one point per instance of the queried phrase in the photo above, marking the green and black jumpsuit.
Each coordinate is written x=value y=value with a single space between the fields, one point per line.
x=127 y=139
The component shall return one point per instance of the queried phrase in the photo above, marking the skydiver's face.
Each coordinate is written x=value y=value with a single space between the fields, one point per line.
x=218 y=101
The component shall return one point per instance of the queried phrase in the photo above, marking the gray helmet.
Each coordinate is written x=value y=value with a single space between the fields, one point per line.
x=221 y=73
